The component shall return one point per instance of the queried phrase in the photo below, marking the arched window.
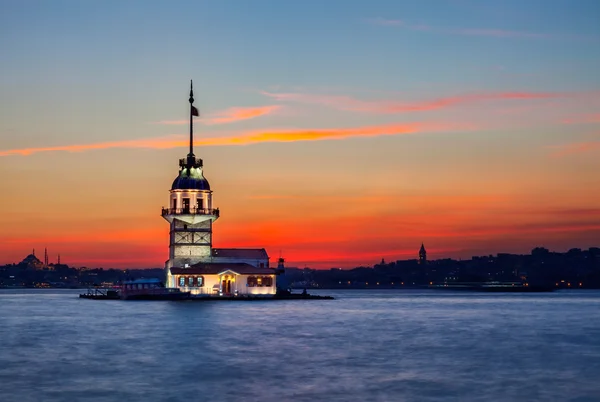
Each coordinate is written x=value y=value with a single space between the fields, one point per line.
x=191 y=281
x=182 y=281
x=200 y=281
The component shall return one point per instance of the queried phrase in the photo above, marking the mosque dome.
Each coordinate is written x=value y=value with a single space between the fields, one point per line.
x=190 y=179
x=31 y=259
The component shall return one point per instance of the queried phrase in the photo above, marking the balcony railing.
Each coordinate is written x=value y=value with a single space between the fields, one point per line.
x=190 y=211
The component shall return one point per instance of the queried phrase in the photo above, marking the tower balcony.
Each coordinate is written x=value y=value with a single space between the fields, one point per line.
x=190 y=211
x=190 y=215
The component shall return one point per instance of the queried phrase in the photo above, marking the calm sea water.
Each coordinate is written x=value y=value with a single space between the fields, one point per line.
x=364 y=346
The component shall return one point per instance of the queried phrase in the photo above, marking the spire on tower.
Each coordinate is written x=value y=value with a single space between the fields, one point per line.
x=193 y=112
x=191 y=119
x=422 y=254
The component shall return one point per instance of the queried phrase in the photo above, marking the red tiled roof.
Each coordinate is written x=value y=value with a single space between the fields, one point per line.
x=216 y=268
x=242 y=253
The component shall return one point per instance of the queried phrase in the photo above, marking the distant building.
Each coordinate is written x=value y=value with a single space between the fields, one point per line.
x=422 y=254
x=31 y=262
x=193 y=264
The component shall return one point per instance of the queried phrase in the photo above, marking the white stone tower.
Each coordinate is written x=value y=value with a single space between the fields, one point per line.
x=190 y=212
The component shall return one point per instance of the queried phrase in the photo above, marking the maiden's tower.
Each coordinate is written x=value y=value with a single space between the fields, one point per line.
x=193 y=264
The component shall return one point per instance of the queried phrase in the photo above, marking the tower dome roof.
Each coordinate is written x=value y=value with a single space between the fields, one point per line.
x=190 y=179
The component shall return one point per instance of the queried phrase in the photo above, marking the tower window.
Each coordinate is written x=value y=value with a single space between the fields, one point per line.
x=199 y=203
x=185 y=205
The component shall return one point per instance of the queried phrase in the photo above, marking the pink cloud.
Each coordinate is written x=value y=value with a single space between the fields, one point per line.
x=241 y=113
x=230 y=115
x=583 y=119
x=389 y=107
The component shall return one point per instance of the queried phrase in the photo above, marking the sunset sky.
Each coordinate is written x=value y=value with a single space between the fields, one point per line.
x=336 y=133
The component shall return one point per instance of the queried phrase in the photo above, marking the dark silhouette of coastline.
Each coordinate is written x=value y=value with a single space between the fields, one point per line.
x=574 y=269
x=542 y=268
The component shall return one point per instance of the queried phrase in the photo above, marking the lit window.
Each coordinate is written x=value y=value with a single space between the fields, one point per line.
x=251 y=282
x=200 y=281
x=181 y=281
x=259 y=281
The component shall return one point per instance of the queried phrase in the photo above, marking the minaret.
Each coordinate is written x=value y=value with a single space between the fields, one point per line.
x=45 y=257
x=422 y=255
x=190 y=212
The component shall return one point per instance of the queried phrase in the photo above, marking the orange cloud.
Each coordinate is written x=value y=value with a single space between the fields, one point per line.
x=321 y=134
x=289 y=135
x=172 y=141
x=347 y=103
x=230 y=115
x=574 y=148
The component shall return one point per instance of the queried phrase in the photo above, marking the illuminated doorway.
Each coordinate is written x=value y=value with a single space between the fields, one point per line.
x=226 y=285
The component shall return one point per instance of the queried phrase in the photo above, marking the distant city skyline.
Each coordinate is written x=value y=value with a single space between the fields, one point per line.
x=334 y=133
